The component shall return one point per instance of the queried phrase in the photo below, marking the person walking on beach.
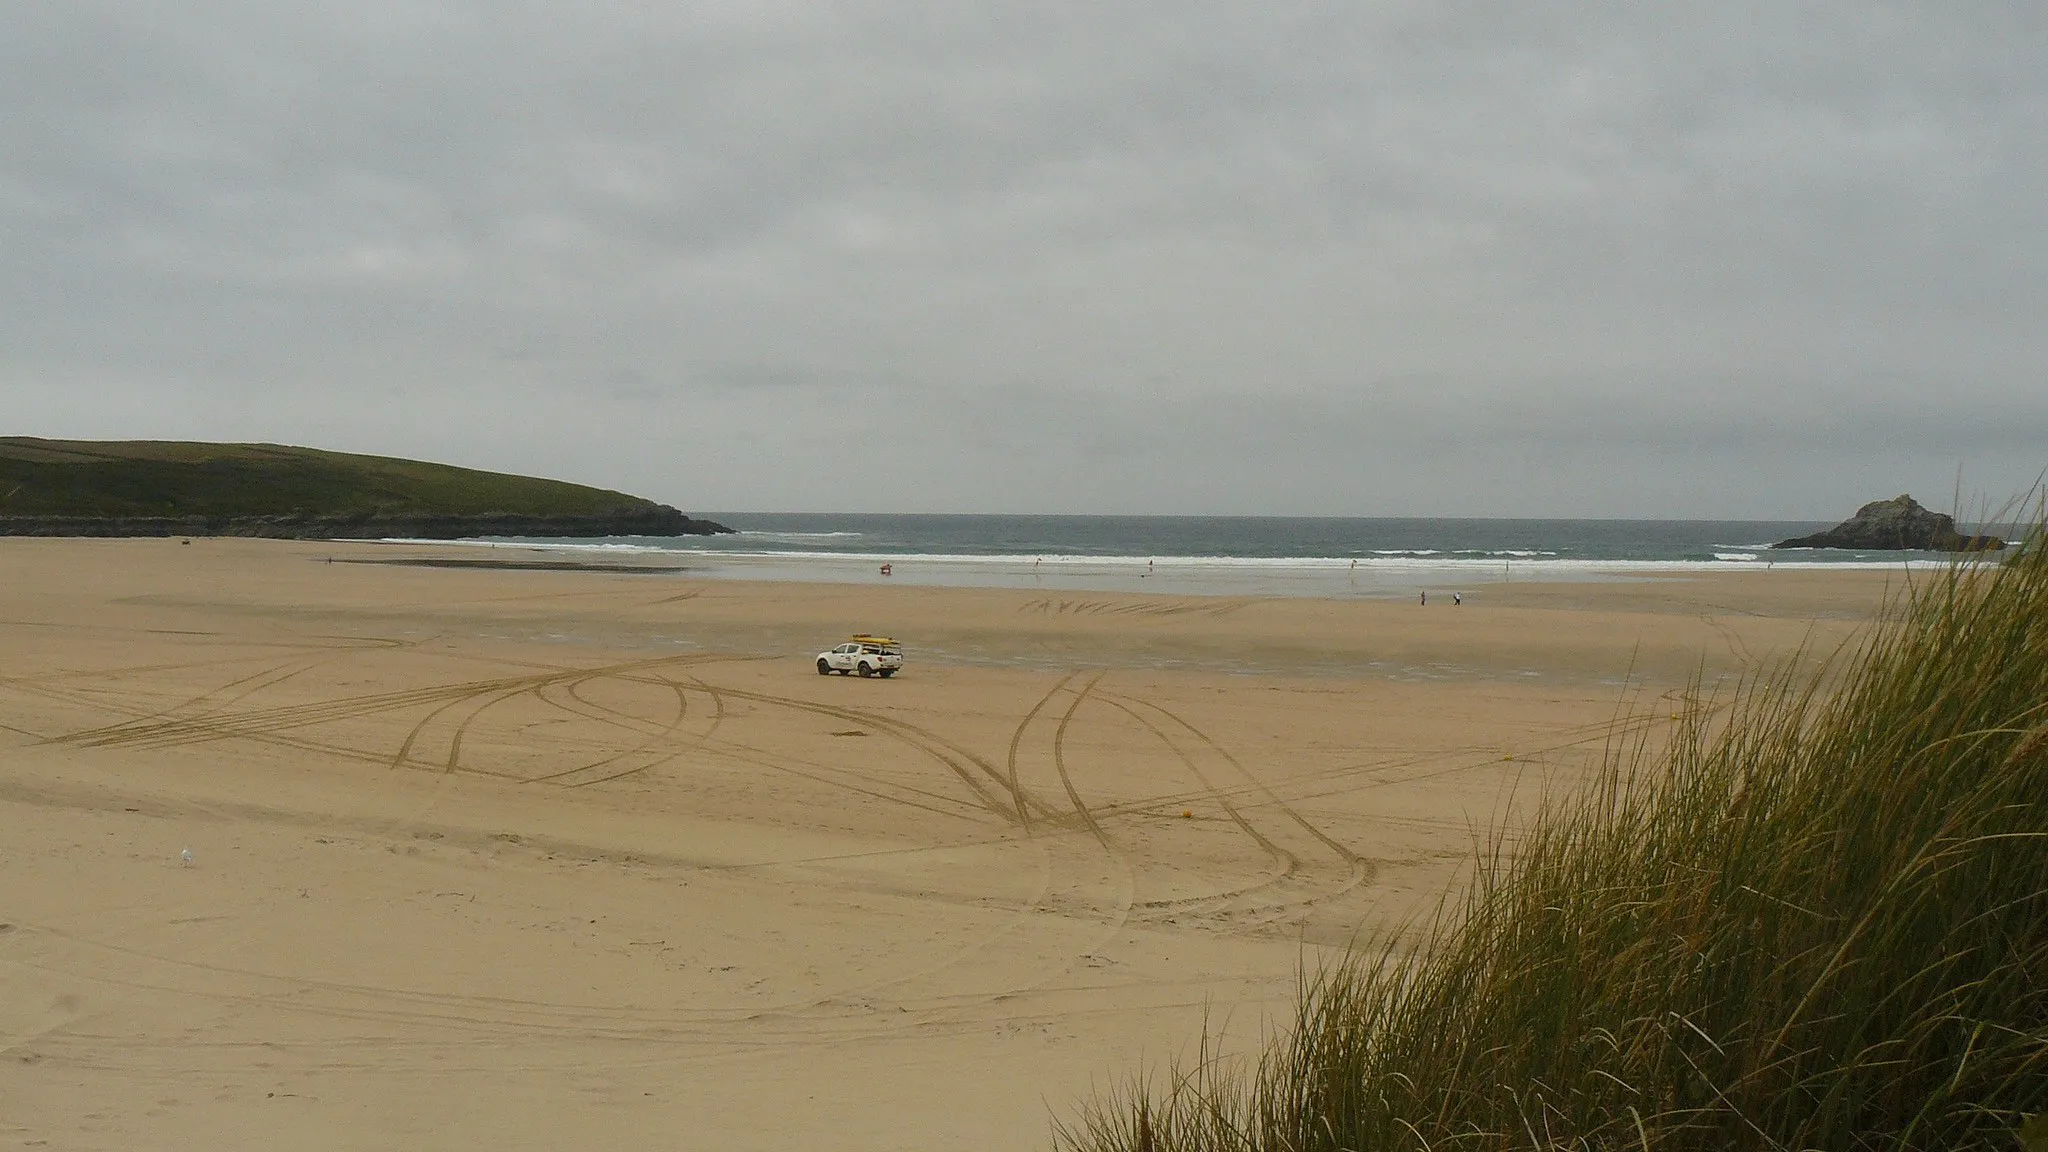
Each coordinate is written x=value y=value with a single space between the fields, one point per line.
x=1425 y=599
x=1457 y=598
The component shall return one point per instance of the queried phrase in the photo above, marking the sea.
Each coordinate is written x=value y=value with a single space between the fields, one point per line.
x=1213 y=555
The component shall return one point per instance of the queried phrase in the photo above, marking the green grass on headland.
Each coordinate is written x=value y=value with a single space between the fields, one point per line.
x=169 y=479
x=1815 y=919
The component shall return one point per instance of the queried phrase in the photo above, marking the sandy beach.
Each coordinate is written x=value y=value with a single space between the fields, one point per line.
x=512 y=858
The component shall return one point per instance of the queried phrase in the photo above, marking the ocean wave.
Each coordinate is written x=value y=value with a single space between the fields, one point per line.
x=1472 y=563
x=1489 y=563
x=1494 y=553
x=542 y=545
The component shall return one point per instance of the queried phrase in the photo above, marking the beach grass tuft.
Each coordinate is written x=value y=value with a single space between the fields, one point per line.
x=1816 y=917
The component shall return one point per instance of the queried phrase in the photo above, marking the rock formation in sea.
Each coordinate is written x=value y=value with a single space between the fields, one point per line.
x=1896 y=525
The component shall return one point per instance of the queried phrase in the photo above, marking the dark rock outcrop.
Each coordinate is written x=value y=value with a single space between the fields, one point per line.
x=1896 y=525
x=659 y=520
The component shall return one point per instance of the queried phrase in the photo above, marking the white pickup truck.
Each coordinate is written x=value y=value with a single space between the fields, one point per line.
x=867 y=655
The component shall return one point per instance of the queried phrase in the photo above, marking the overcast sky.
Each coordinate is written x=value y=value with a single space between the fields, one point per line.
x=1355 y=258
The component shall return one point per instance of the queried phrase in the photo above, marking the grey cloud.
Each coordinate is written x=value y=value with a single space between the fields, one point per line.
x=1079 y=257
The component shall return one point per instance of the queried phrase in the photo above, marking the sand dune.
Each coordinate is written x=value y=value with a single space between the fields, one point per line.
x=575 y=859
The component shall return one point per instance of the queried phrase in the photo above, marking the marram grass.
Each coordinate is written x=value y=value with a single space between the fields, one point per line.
x=1817 y=918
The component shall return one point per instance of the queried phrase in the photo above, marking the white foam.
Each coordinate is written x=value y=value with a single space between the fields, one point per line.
x=539 y=545
x=1492 y=561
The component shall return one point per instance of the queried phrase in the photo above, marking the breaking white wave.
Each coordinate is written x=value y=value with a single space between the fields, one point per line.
x=1479 y=566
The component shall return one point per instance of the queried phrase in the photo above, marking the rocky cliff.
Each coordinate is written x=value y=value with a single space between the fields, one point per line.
x=1896 y=525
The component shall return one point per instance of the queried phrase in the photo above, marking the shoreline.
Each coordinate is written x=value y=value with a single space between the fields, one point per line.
x=1310 y=577
x=1601 y=632
x=512 y=565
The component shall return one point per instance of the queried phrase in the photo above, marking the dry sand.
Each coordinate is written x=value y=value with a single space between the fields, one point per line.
x=515 y=859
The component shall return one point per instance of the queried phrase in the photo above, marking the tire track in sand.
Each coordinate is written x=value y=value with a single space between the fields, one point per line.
x=637 y=725
x=1058 y=870
x=1358 y=869
x=701 y=739
x=972 y=770
x=1017 y=738
x=290 y=716
x=829 y=774
x=1059 y=760
x=1286 y=862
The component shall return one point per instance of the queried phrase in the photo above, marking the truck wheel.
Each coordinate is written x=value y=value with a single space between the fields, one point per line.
x=866 y=670
x=888 y=672
x=824 y=668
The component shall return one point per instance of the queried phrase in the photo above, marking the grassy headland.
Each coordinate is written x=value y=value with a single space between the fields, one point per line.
x=1816 y=917
x=122 y=488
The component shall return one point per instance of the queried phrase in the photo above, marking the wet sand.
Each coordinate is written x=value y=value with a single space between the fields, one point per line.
x=538 y=859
